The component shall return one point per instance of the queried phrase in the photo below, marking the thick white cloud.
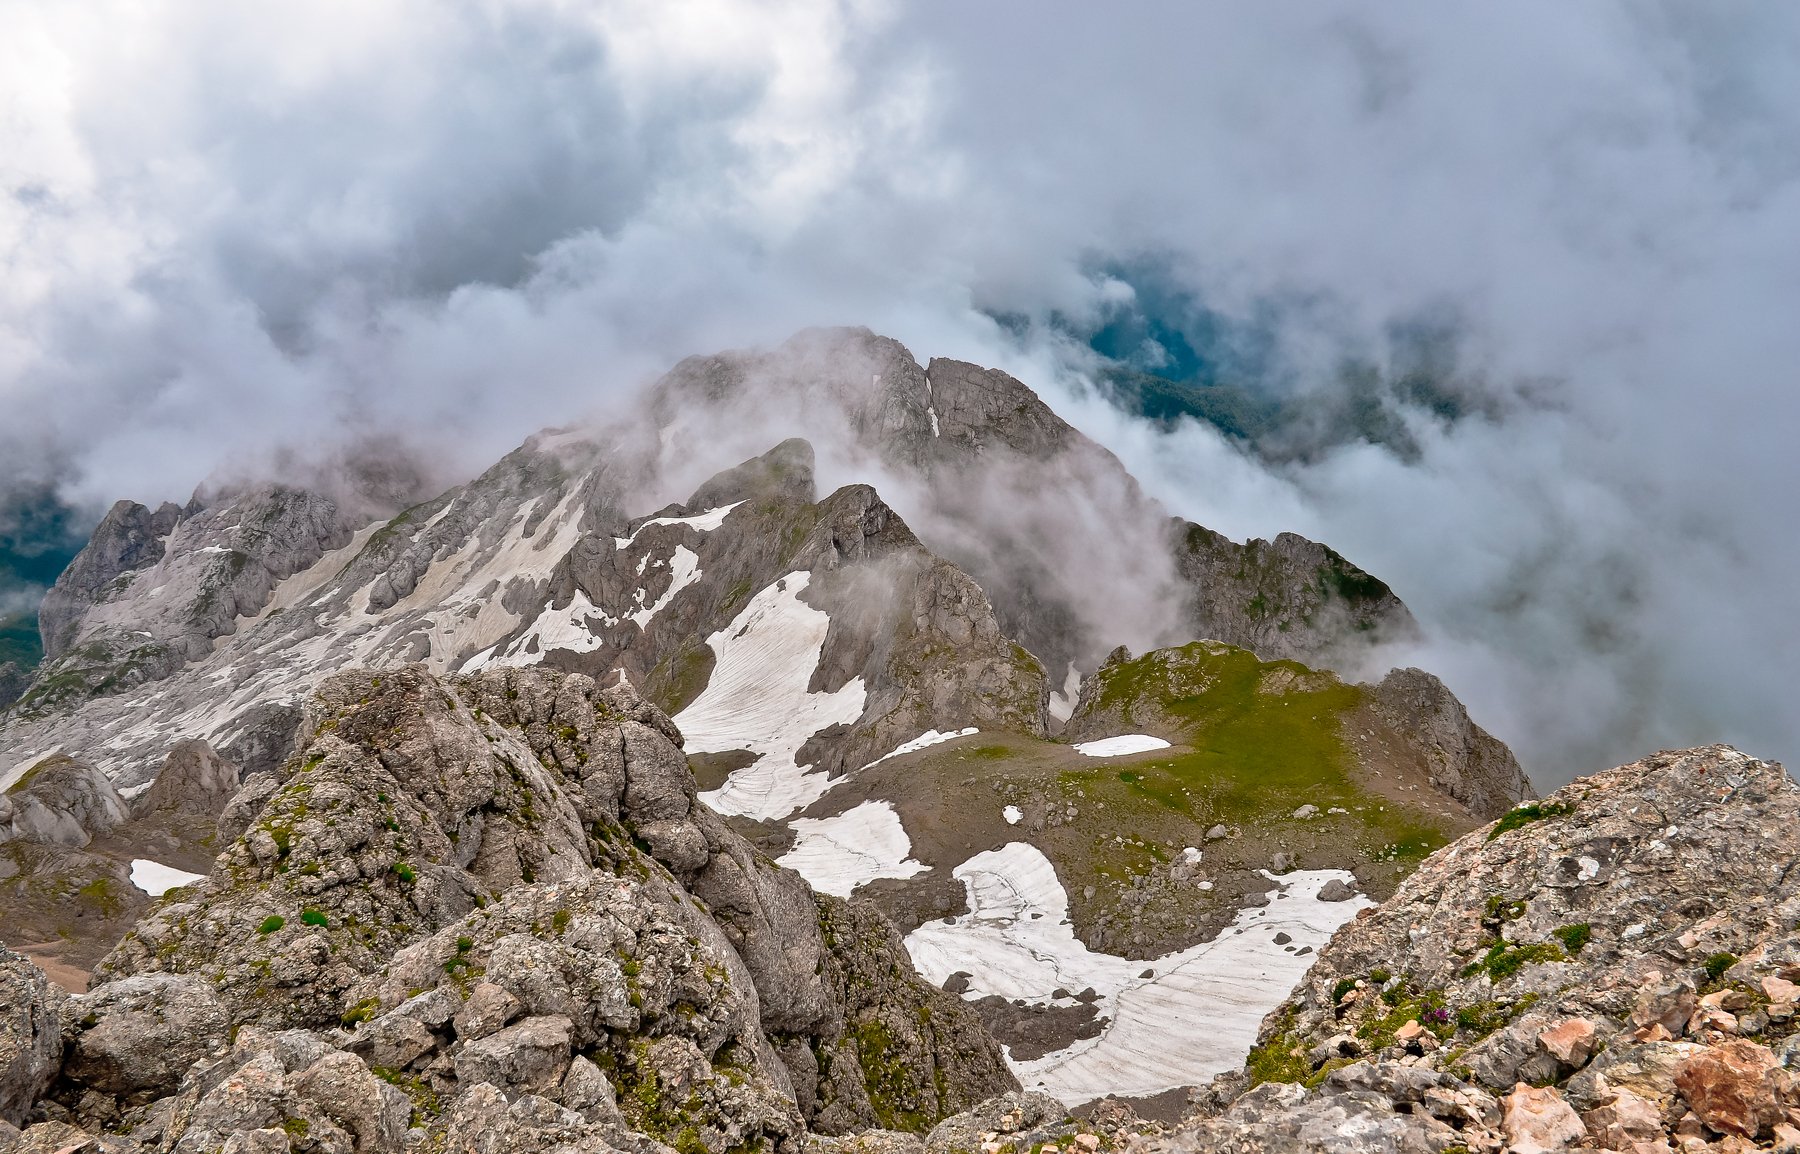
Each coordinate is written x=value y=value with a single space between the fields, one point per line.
x=229 y=231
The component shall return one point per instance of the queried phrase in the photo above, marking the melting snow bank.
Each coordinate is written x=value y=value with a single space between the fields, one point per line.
x=837 y=854
x=925 y=740
x=704 y=522
x=1120 y=746
x=757 y=700
x=157 y=879
x=1196 y=1017
x=684 y=570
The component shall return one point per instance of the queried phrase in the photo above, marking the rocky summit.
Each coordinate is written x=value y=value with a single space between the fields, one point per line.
x=834 y=752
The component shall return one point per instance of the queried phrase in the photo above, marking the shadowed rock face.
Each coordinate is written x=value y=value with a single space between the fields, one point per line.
x=480 y=879
x=1286 y=598
x=1614 y=964
x=1032 y=508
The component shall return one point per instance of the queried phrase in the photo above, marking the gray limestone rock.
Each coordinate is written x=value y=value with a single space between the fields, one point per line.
x=61 y=802
x=1467 y=762
x=530 y=1057
x=138 y=1036
x=1556 y=958
x=32 y=1013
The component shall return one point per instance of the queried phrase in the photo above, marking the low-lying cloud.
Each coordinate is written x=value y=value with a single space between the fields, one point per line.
x=241 y=239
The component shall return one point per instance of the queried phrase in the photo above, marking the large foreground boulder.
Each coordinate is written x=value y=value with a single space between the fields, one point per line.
x=32 y=1012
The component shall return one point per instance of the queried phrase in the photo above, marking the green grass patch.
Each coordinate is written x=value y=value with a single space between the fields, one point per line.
x=1716 y=965
x=1574 y=937
x=1529 y=812
x=314 y=918
x=1252 y=753
x=1504 y=959
x=271 y=923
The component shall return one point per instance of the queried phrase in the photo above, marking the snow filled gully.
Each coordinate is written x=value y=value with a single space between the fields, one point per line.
x=757 y=700
x=1194 y=1017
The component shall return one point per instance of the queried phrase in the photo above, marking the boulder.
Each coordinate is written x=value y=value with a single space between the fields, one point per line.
x=1731 y=1087
x=1538 y=1120
x=528 y=1058
x=32 y=1013
x=138 y=1036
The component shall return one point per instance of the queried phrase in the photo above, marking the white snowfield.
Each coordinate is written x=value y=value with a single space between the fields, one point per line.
x=757 y=700
x=1195 y=1017
x=704 y=522
x=925 y=740
x=1121 y=745
x=839 y=853
x=157 y=879
x=1062 y=701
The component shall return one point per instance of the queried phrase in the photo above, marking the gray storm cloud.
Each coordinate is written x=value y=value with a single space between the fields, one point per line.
x=241 y=240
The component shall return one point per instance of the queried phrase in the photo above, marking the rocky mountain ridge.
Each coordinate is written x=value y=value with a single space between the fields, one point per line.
x=373 y=763
x=440 y=907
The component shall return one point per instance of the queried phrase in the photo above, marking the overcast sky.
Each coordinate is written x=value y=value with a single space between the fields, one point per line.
x=231 y=231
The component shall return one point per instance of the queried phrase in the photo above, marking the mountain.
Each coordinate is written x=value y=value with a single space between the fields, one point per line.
x=811 y=660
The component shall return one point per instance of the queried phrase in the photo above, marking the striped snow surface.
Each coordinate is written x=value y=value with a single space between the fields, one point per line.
x=1195 y=1017
x=839 y=853
x=757 y=700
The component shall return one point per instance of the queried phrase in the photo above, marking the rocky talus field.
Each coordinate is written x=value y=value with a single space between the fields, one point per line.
x=764 y=768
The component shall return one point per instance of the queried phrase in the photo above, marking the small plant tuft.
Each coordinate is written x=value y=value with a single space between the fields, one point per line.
x=1529 y=812
x=1574 y=937
x=271 y=923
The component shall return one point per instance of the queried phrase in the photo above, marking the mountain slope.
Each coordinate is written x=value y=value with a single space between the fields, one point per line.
x=1612 y=966
x=862 y=694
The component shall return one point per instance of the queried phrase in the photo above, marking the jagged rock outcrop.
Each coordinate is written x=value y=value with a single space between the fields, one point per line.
x=1287 y=598
x=500 y=895
x=195 y=782
x=32 y=1012
x=1046 y=520
x=151 y=592
x=1615 y=965
x=1467 y=762
x=128 y=538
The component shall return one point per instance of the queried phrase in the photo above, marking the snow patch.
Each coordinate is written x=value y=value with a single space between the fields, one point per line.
x=757 y=699
x=1195 y=1017
x=1121 y=745
x=1013 y=814
x=1062 y=702
x=572 y=628
x=925 y=740
x=157 y=879
x=837 y=854
x=705 y=522
x=684 y=570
